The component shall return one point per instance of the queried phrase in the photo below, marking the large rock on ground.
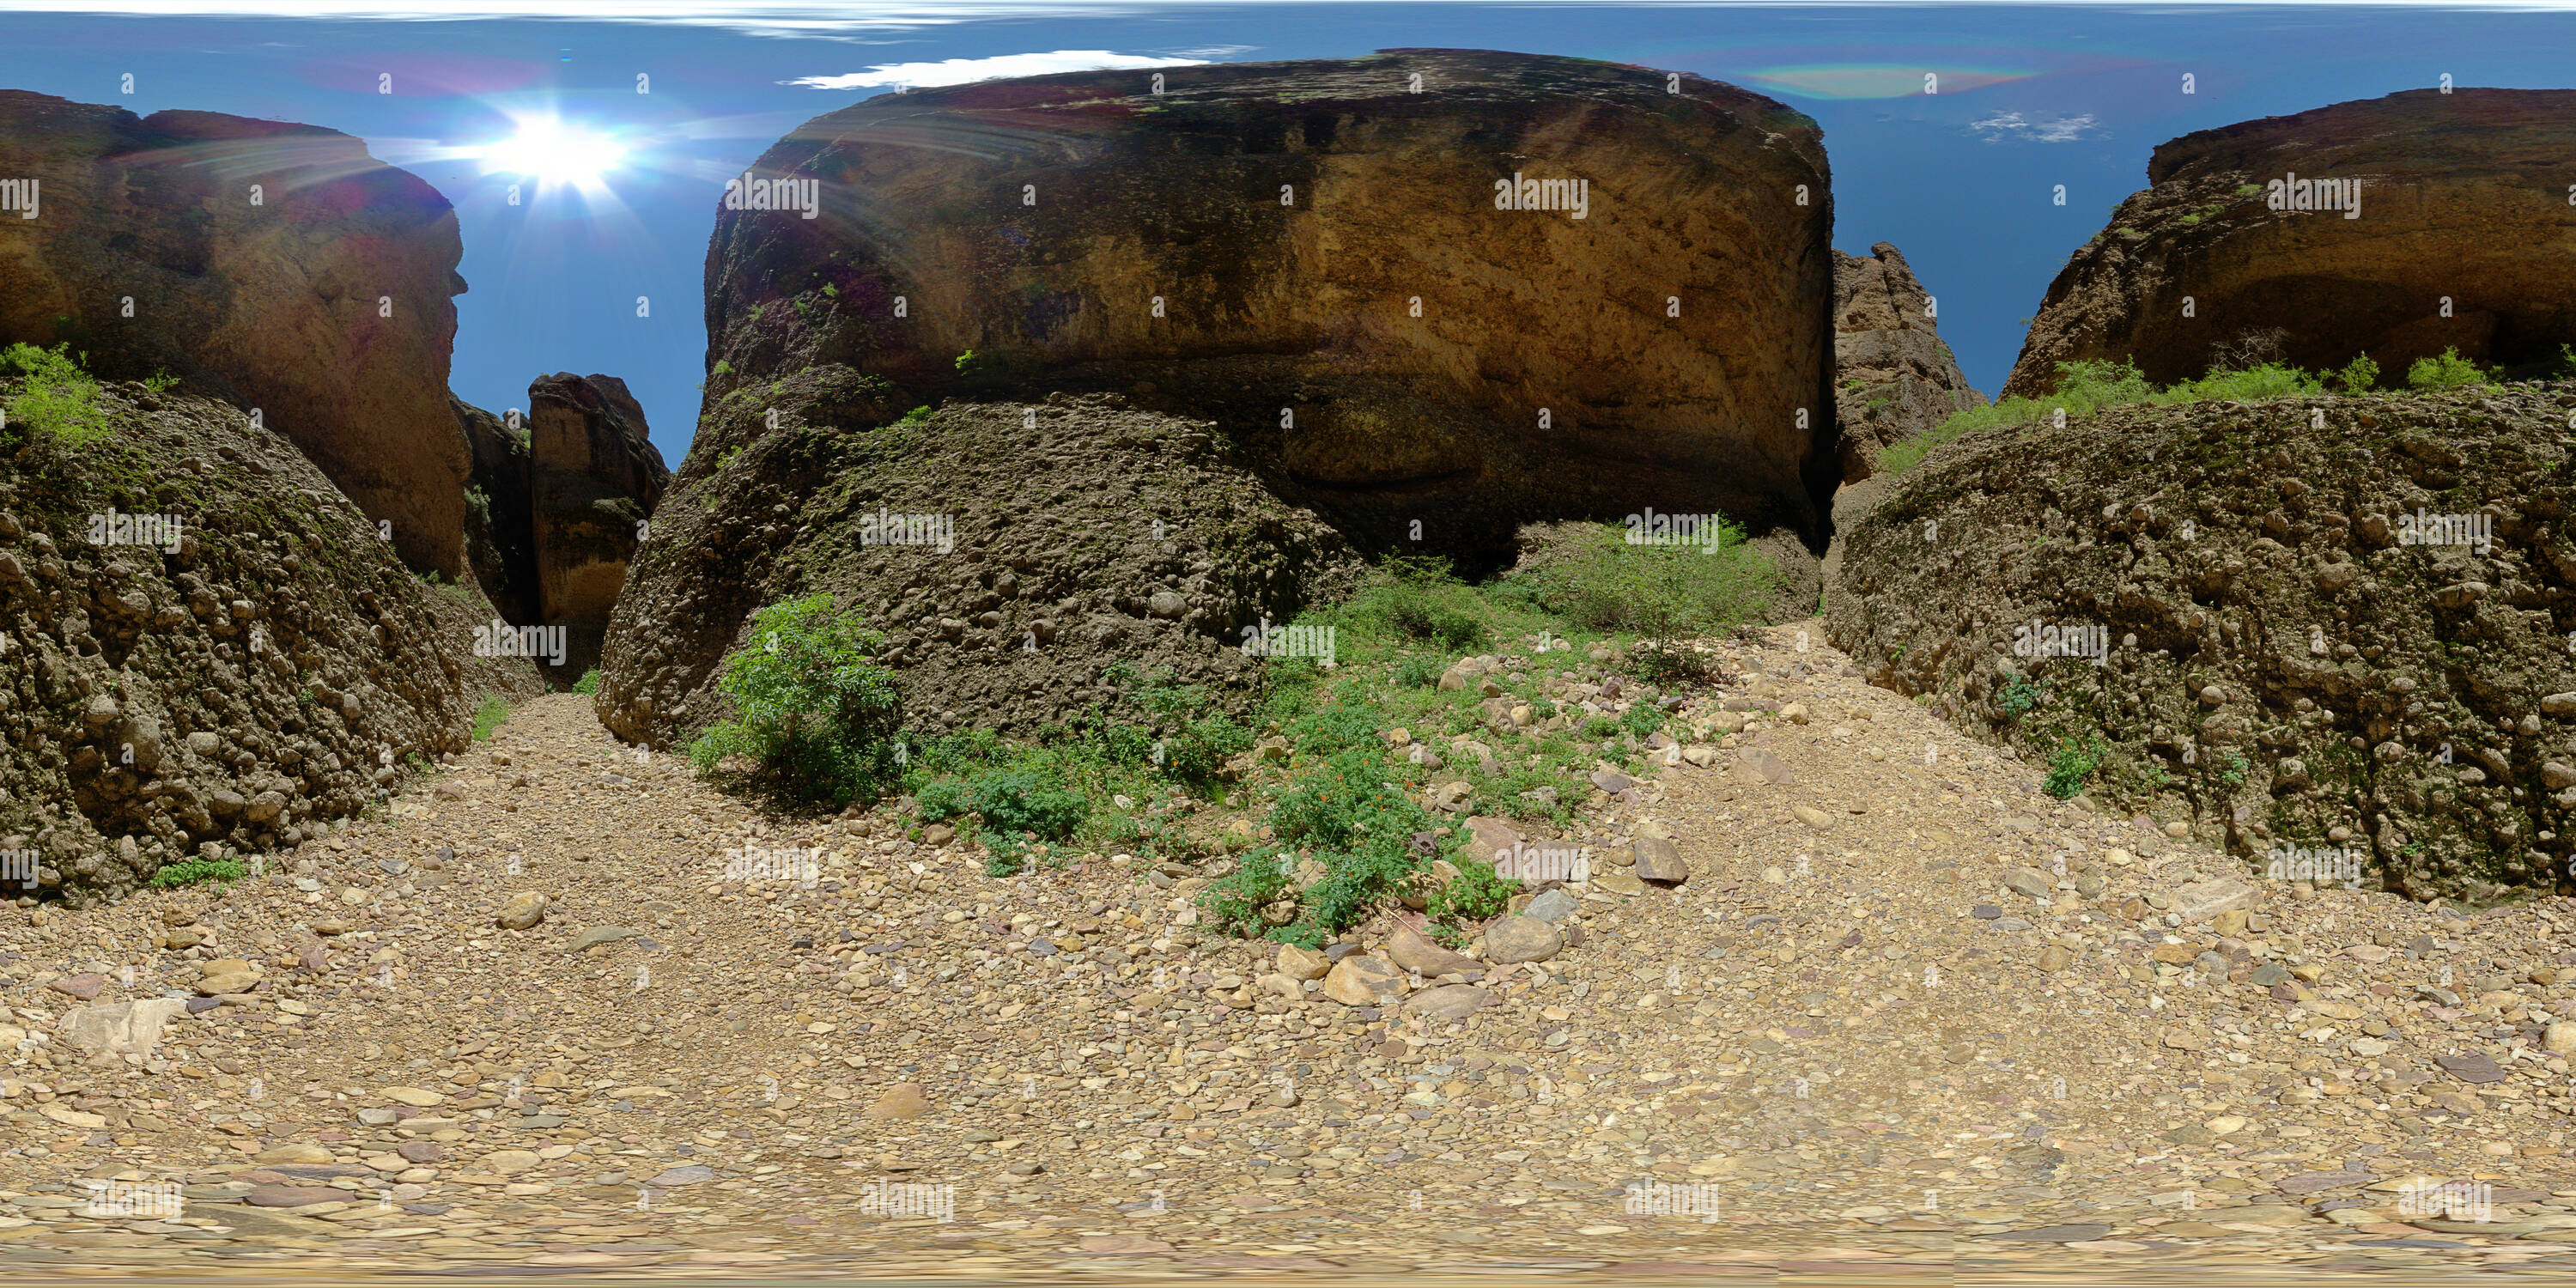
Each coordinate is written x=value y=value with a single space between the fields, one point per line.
x=241 y=679
x=1893 y=377
x=1321 y=240
x=327 y=304
x=594 y=478
x=2310 y=639
x=2460 y=201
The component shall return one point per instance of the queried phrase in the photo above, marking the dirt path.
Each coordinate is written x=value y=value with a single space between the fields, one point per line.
x=1844 y=1033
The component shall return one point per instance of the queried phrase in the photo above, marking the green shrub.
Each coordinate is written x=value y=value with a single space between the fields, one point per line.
x=2070 y=765
x=588 y=683
x=1420 y=671
x=2358 y=376
x=1416 y=598
x=189 y=872
x=917 y=415
x=2448 y=371
x=2019 y=697
x=816 y=715
x=489 y=716
x=1199 y=750
x=59 y=400
x=1667 y=594
x=1476 y=894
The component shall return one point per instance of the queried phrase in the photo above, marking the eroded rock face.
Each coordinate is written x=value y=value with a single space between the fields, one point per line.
x=239 y=664
x=1893 y=377
x=1016 y=572
x=2308 y=639
x=594 y=478
x=2456 y=202
x=499 y=538
x=1311 y=255
x=327 y=304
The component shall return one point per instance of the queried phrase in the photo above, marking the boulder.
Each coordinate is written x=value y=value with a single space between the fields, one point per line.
x=1893 y=377
x=522 y=911
x=1302 y=963
x=1362 y=980
x=2447 y=211
x=1522 y=939
x=902 y=1100
x=271 y=265
x=124 y=1028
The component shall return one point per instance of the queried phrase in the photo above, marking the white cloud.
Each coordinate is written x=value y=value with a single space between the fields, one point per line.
x=960 y=71
x=2046 y=129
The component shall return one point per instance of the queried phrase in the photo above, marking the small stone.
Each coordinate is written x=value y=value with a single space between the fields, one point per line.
x=1611 y=781
x=1813 y=817
x=1659 y=860
x=1302 y=963
x=2475 y=1067
x=685 y=1174
x=938 y=834
x=125 y=1028
x=902 y=1100
x=524 y=910
x=1522 y=939
x=1551 y=906
x=2203 y=900
x=1618 y=881
x=1447 y=1002
x=84 y=986
x=378 y=1117
x=2230 y=924
x=597 y=935
x=2028 y=882
x=1410 y=951
x=2559 y=1038
x=418 y=1097
x=298 y=1151
x=1488 y=838
x=510 y=1162
x=2055 y=958
x=421 y=1151
x=290 y=1196
x=1362 y=980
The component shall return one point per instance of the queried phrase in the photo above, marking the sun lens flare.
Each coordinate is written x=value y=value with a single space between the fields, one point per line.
x=552 y=151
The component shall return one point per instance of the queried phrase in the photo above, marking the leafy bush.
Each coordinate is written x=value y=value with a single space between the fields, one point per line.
x=1198 y=751
x=189 y=872
x=59 y=400
x=2358 y=376
x=2448 y=371
x=588 y=683
x=2019 y=697
x=1417 y=598
x=2087 y=387
x=2070 y=765
x=1420 y=671
x=816 y=714
x=1665 y=593
x=1476 y=894
x=489 y=716
x=917 y=415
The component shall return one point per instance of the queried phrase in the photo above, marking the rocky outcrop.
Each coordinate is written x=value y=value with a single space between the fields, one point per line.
x=1020 y=558
x=594 y=478
x=499 y=538
x=2283 y=636
x=2460 y=241
x=1312 y=255
x=276 y=266
x=205 y=646
x=1893 y=377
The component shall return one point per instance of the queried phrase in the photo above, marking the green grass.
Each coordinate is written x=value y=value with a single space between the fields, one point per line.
x=188 y=872
x=2087 y=387
x=588 y=683
x=2070 y=765
x=489 y=716
x=2448 y=371
x=59 y=400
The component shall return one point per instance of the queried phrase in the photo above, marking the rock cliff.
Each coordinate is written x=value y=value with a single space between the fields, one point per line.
x=2455 y=236
x=205 y=646
x=275 y=266
x=2280 y=636
x=1430 y=294
x=594 y=479
x=1893 y=377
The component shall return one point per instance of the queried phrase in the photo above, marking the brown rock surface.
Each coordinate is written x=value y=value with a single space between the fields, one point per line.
x=1037 y=223
x=1893 y=377
x=499 y=541
x=594 y=478
x=327 y=306
x=2453 y=205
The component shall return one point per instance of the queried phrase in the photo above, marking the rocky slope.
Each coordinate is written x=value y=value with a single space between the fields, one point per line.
x=594 y=479
x=1320 y=241
x=1008 y=565
x=2320 y=638
x=2460 y=241
x=1893 y=377
x=275 y=266
x=243 y=681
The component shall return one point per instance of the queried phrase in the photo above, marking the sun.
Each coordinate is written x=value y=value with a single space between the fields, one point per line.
x=552 y=151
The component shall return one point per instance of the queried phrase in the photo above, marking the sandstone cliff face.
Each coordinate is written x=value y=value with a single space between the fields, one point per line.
x=1893 y=377
x=594 y=478
x=241 y=680
x=499 y=539
x=327 y=306
x=2461 y=198
x=1310 y=254
x=2283 y=662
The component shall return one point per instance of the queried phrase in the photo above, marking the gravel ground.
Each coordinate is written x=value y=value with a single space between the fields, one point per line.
x=1907 y=1018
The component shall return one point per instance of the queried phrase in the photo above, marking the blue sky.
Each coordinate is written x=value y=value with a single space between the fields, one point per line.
x=2030 y=97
